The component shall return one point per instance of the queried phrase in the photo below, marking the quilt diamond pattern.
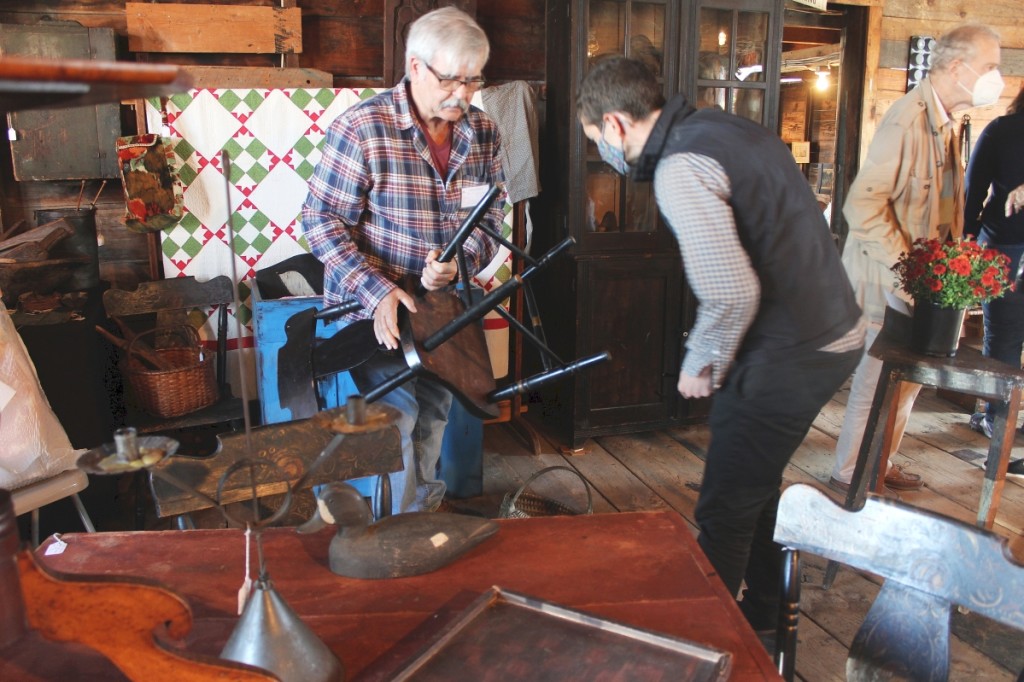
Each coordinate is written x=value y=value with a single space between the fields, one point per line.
x=273 y=138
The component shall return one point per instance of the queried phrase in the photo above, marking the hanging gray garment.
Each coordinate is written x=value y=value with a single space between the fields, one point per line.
x=511 y=105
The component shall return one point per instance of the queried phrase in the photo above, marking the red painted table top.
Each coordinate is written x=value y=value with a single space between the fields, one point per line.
x=641 y=569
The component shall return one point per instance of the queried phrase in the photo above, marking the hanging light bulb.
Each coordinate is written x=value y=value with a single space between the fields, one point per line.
x=823 y=78
x=722 y=38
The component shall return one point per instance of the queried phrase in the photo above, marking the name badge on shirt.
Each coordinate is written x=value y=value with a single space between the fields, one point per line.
x=472 y=194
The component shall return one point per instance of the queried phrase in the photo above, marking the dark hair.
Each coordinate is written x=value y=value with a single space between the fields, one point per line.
x=1017 y=105
x=619 y=84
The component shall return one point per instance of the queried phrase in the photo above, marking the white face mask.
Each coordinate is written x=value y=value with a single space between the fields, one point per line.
x=987 y=88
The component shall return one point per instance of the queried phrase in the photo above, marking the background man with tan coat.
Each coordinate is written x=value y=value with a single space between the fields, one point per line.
x=910 y=186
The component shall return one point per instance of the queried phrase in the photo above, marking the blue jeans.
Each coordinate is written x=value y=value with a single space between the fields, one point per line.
x=424 y=406
x=758 y=419
x=1004 y=317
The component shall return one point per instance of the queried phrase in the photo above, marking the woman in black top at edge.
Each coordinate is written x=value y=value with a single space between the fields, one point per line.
x=995 y=170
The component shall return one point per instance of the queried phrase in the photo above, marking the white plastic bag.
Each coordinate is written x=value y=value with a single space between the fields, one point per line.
x=33 y=444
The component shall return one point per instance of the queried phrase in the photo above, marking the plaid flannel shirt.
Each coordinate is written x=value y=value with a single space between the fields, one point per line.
x=376 y=204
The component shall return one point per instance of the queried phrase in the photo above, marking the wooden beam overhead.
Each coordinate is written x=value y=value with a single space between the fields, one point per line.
x=894 y=54
x=811 y=52
x=213 y=29
x=257 y=77
x=807 y=35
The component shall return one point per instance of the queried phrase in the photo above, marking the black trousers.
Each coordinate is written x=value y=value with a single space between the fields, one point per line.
x=1004 y=320
x=758 y=419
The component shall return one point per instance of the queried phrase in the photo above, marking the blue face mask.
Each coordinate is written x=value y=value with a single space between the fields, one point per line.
x=613 y=156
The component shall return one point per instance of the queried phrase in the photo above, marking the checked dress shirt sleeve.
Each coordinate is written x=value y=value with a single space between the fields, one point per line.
x=693 y=193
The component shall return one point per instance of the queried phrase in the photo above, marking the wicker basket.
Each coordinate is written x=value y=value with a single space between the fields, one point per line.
x=522 y=505
x=189 y=386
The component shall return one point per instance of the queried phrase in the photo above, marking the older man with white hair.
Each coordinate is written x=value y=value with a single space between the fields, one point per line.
x=399 y=173
x=911 y=186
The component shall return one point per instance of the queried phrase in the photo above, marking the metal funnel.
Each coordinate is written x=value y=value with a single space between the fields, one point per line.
x=270 y=635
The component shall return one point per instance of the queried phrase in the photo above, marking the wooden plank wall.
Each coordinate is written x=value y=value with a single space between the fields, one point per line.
x=260 y=30
x=344 y=39
x=793 y=113
x=892 y=25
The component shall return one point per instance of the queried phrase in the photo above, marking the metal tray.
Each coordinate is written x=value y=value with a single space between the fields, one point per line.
x=96 y=461
x=507 y=636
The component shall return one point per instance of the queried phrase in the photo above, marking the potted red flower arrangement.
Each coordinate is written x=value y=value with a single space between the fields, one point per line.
x=945 y=279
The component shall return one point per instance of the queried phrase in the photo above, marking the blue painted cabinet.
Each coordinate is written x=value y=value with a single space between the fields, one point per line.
x=268 y=325
x=269 y=318
x=462 y=449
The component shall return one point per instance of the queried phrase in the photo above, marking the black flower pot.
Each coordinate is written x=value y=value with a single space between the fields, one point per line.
x=936 y=330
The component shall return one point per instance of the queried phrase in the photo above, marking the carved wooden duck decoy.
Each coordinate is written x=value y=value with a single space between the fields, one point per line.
x=396 y=546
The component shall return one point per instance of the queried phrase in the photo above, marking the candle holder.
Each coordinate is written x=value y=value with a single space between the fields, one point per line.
x=269 y=634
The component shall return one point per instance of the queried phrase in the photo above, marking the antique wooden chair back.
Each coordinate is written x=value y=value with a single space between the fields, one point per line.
x=166 y=302
x=930 y=563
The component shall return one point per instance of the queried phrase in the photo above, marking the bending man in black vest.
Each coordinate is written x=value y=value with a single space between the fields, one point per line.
x=777 y=329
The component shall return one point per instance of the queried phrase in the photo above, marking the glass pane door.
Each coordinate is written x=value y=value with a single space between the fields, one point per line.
x=635 y=29
x=731 y=61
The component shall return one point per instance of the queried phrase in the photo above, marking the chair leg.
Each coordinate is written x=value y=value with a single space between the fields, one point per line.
x=139 y=482
x=789 y=615
x=831 y=570
x=35 y=527
x=382 y=506
x=82 y=513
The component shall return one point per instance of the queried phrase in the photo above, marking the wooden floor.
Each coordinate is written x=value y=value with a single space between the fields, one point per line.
x=662 y=469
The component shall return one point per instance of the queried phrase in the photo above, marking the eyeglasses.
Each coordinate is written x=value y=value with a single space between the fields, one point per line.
x=452 y=84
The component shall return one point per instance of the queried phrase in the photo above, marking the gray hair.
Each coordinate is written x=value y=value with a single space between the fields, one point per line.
x=961 y=43
x=451 y=33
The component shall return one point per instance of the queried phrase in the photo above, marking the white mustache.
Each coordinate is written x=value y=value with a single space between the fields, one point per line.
x=456 y=102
